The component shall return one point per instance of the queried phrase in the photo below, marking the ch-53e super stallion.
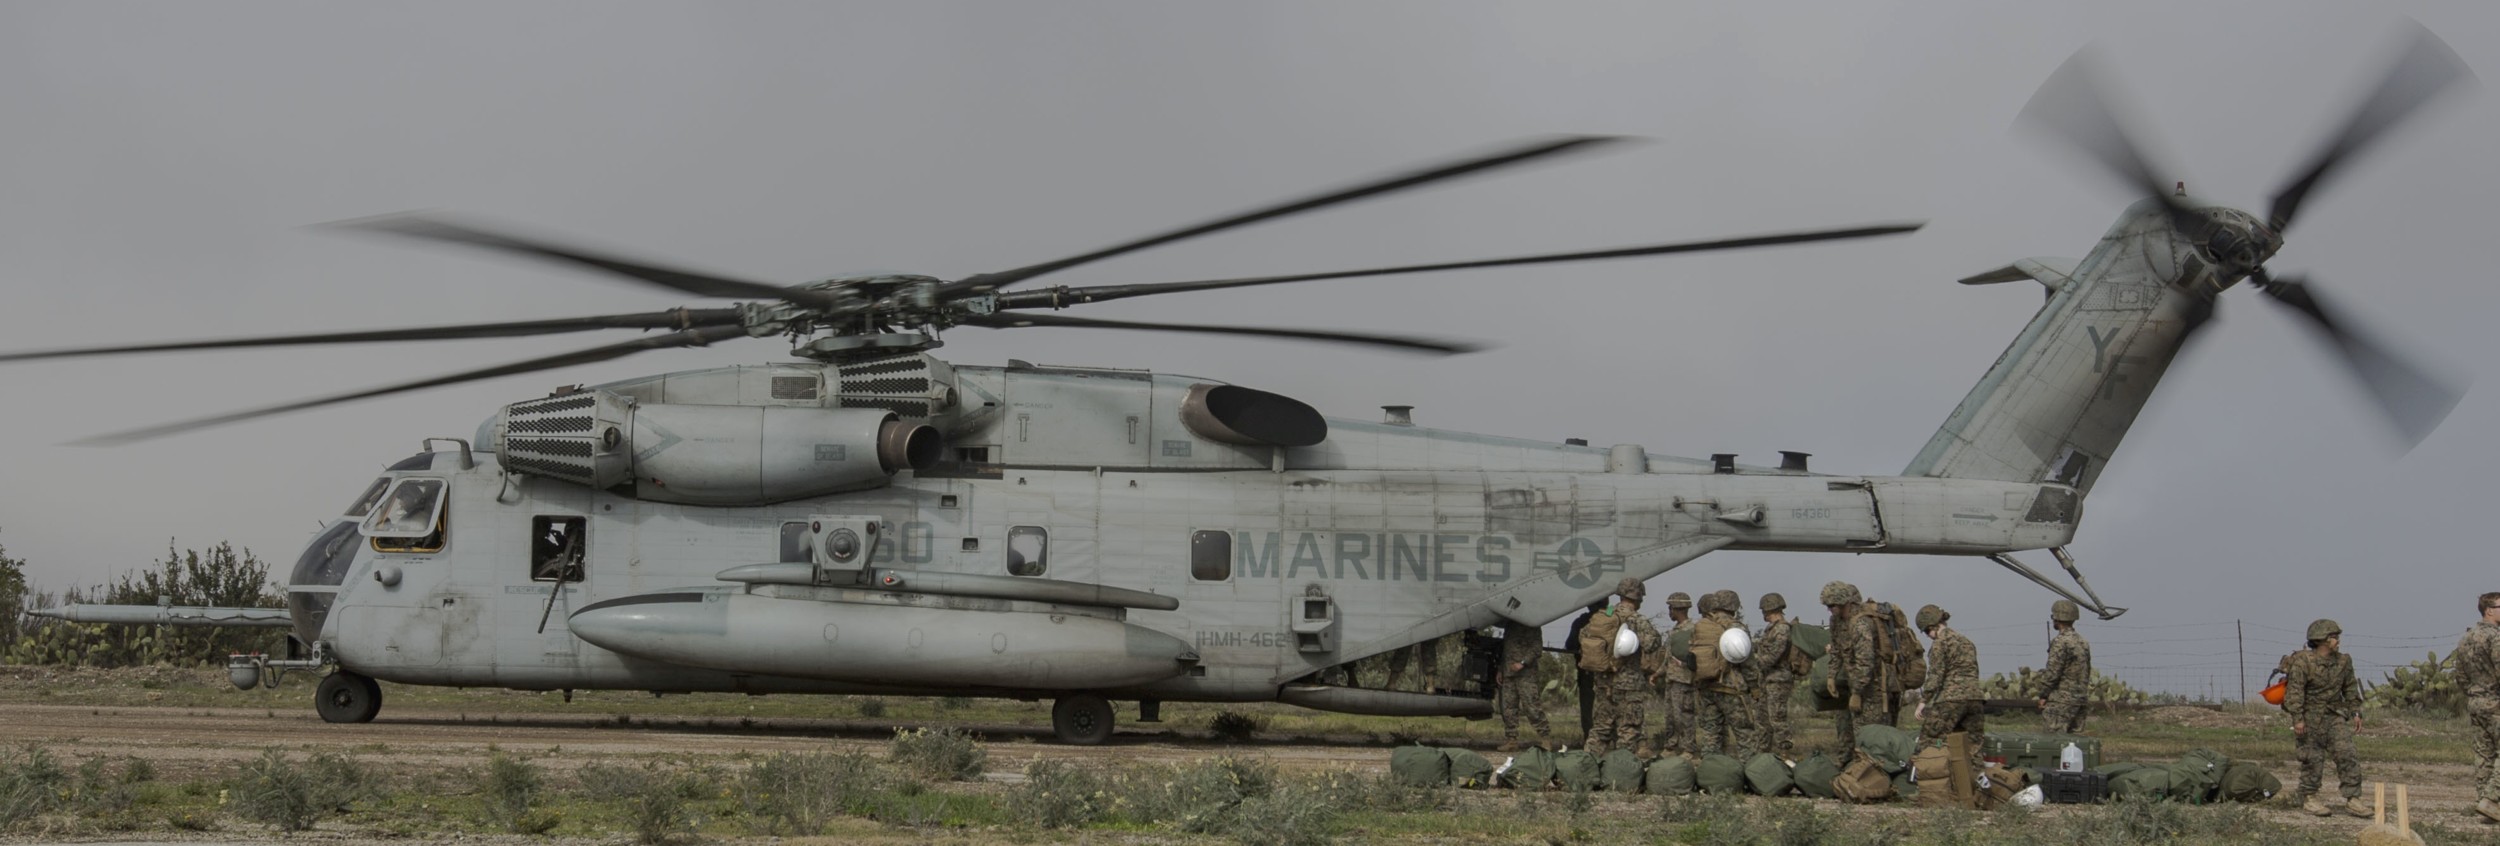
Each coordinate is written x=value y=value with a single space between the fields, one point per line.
x=869 y=519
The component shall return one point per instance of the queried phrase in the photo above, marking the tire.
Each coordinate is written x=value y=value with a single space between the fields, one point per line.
x=346 y=697
x=1081 y=719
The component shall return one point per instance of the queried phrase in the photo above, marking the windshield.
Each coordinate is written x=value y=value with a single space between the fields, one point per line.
x=408 y=512
x=364 y=504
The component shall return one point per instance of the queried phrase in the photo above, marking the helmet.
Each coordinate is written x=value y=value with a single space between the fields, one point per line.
x=2324 y=629
x=1709 y=603
x=1930 y=617
x=1840 y=593
x=1730 y=602
x=2065 y=611
x=1735 y=645
x=1630 y=588
x=1627 y=642
x=1679 y=600
x=1773 y=602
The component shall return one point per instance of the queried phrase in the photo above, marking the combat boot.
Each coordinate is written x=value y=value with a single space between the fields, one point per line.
x=2315 y=807
x=1510 y=745
x=2489 y=809
x=2354 y=807
x=1645 y=753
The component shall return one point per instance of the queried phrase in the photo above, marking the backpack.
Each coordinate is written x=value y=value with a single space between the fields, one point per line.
x=1862 y=782
x=1621 y=771
x=1897 y=649
x=1597 y=642
x=1708 y=664
x=1670 y=776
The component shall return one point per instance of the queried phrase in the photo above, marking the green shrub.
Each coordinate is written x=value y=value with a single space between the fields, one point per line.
x=1203 y=797
x=798 y=794
x=1058 y=794
x=872 y=707
x=654 y=800
x=275 y=791
x=942 y=754
x=1233 y=727
x=31 y=782
x=1297 y=814
x=512 y=790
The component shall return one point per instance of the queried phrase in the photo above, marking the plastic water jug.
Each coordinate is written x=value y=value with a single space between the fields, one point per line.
x=2070 y=759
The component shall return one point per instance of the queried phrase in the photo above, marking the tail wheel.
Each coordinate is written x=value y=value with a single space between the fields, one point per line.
x=346 y=697
x=1081 y=719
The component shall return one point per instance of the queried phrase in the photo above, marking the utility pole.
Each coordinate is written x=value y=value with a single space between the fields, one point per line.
x=2242 y=630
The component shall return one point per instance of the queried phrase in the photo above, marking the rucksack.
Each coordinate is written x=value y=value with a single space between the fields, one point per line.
x=1862 y=782
x=1597 y=641
x=1897 y=650
x=1708 y=664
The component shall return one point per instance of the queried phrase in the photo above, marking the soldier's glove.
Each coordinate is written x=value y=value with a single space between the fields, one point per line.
x=1853 y=701
x=1831 y=686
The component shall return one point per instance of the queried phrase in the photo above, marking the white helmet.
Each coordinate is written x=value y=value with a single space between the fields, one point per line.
x=1735 y=645
x=2029 y=797
x=1627 y=642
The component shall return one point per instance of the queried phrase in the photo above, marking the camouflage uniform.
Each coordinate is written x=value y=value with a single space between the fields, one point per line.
x=1775 y=679
x=2321 y=695
x=1721 y=713
x=1951 y=696
x=2478 y=671
x=2067 y=683
x=1853 y=671
x=1623 y=698
x=1523 y=646
x=1675 y=733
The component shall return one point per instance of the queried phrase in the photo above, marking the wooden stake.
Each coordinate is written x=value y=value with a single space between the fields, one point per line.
x=2404 y=811
x=2382 y=804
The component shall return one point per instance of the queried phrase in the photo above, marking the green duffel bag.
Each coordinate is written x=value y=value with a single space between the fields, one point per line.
x=1810 y=639
x=1531 y=769
x=1815 y=680
x=2112 y=771
x=1670 y=776
x=1904 y=786
x=1889 y=747
x=1767 y=775
x=1577 y=770
x=1621 y=771
x=2197 y=776
x=1420 y=766
x=1814 y=775
x=1720 y=775
x=2143 y=784
x=1468 y=769
x=2245 y=781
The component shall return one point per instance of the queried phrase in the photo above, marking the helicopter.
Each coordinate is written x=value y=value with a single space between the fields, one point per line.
x=871 y=519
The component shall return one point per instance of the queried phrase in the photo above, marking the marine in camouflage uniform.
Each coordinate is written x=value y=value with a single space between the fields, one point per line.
x=1722 y=711
x=1583 y=681
x=1950 y=702
x=1523 y=650
x=2324 y=700
x=2478 y=672
x=1675 y=733
x=1853 y=671
x=1623 y=698
x=1774 y=668
x=2066 y=686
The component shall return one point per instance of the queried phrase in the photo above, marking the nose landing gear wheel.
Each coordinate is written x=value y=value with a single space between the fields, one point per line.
x=1082 y=719
x=346 y=697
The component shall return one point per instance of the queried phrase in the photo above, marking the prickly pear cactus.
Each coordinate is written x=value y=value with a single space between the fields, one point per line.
x=2426 y=685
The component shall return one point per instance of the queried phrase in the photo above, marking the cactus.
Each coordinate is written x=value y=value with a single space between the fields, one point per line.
x=2426 y=685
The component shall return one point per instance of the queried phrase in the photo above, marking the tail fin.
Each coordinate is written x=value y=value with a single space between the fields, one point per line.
x=2056 y=404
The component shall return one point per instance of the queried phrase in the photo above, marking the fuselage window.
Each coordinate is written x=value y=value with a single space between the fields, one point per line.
x=411 y=518
x=1028 y=551
x=794 y=546
x=559 y=548
x=1210 y=556
x=373 y=496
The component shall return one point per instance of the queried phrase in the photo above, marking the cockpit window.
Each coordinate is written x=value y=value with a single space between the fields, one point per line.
x=410 y=518
x=372 y=496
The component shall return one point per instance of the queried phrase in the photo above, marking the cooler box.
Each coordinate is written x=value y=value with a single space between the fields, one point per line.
x=2037 y=751
x=2081 y=788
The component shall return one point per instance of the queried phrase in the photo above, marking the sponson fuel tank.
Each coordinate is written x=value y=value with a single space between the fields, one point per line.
x=723 y=455
x=913 y=640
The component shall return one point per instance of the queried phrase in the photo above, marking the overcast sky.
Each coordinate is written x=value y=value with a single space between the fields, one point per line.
x=160 y=161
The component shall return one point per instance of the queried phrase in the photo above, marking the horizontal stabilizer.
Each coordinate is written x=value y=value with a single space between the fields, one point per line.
x=170 y=615
x=2052 y=272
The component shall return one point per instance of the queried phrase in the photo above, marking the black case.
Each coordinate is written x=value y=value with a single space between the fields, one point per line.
x=2081 y=788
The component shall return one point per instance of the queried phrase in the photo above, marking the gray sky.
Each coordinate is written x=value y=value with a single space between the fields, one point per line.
x=160 y=161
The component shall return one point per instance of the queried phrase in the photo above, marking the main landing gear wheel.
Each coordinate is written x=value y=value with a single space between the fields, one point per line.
x=1081 y=719
x=346 y=697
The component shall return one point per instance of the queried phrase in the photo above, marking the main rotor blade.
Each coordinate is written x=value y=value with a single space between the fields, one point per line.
x=414 y=225
x=1061 y=297
x=684 y=318
x=688 y=338
x=2413 y=399
x=1022 y=321
x=2075 y=107
x=2426 y=68
x=1517 y=155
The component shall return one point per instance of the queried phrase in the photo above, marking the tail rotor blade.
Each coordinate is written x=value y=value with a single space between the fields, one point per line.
x=687 y=338
x=2075 y=107
x=1415 y=344
x=1400 y=182
x=2414 y=400
x=2425 y=68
